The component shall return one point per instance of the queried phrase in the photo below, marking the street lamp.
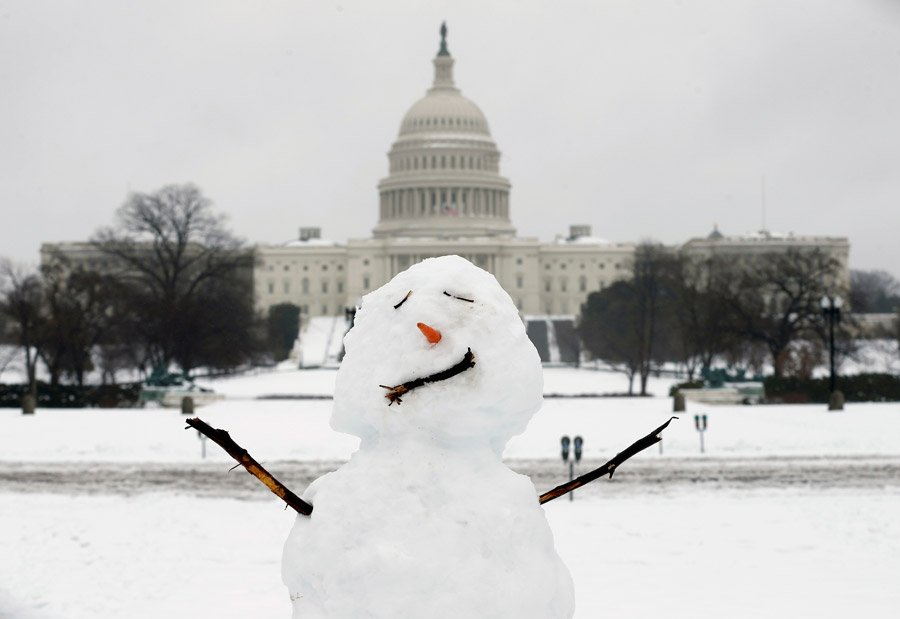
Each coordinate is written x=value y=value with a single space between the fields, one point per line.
x=831 y=309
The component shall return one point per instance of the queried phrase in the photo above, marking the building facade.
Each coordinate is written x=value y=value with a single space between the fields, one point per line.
x=443 y=194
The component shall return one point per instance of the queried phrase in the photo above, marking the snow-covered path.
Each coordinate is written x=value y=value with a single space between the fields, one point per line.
x=687 y=552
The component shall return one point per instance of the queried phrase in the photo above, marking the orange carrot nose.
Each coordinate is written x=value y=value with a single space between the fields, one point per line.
x=433 y=335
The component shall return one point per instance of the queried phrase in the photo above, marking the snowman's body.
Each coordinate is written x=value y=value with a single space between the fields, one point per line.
x=425 y=520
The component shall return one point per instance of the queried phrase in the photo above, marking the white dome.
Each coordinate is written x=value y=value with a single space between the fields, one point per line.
x=444 y=169
x=444 y=111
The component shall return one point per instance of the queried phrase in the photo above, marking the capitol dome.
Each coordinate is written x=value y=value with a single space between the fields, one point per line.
x=444 y=111
x=444 y=176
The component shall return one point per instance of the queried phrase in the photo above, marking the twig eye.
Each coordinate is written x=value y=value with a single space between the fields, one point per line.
x=460 y=298
x=404 y=300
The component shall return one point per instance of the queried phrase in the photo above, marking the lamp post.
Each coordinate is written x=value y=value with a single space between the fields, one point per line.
x=831 y=309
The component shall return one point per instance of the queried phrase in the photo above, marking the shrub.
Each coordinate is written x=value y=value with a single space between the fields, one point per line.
x=73 y=396
x=856 y=388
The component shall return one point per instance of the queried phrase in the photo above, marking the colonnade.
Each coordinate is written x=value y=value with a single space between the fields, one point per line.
x=459 y=201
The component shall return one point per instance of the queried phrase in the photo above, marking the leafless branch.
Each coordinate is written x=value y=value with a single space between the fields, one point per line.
x=608 y=468
x=224 y=440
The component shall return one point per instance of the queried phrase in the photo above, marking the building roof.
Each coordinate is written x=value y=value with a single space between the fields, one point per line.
x=444 y=109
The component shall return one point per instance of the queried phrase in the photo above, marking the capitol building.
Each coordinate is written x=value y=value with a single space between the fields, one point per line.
x=444 y=194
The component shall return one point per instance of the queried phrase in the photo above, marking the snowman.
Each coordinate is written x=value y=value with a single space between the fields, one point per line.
x=425 y=520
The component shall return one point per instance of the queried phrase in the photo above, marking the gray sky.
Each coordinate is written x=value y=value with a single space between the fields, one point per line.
x=652 y=119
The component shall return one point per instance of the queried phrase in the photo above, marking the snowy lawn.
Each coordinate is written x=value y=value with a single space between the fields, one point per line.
x=762 y=553
x=670 y=551
x=299 y=430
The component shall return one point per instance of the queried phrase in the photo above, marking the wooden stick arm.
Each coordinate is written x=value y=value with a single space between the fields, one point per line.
x=224 y=440
x=608 y=468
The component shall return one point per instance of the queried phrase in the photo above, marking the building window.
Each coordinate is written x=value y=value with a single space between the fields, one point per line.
x=563 y=284
x=287 y=267
x=271 y=288
x=287 y=287
x=602 y=265
x=271 y=268
x=547 y=286
x=582 y=284
x=563 y=266
x=518 y=261
x=365 y=282
x=366 y=262
x=324 y=267
x=519 y=281
x=340 y=267
x=306 y=267
x=325 y=310
x=305 y=285
x=340 y=287
x=324 y=287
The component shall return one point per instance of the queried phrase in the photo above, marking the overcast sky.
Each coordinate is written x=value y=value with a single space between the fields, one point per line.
x=652 y=119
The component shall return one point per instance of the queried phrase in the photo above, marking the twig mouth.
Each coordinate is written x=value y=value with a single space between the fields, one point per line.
x=396 y=391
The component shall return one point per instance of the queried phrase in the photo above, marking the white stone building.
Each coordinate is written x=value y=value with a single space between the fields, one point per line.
x=444 y=194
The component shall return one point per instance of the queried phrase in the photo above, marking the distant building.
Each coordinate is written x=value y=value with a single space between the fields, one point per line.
x=749 y=246
x=443 y=195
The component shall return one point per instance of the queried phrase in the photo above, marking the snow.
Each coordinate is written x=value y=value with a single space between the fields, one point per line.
x=320 y=340
x=459 y=534
x=681 y=554
x=791 y=512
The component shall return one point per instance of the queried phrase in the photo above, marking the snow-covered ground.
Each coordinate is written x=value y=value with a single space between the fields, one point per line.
x=640 y=546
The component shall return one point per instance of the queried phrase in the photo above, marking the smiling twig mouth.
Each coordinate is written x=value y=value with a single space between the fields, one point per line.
x=395 y=392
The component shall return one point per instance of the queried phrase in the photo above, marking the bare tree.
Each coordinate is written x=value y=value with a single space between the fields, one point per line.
x=700 y=327
x=79 y=312
x=622 y=323
x=607 y=327
x=874 y=292
x=21 y=305
x=186 y=280
x=775 y=298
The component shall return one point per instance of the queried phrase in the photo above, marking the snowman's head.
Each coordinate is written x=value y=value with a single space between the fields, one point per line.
x=421 y=324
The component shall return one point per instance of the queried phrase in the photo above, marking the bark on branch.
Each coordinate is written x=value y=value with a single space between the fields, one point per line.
x=395 y=392
x=224 y=440
x=608 y=468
